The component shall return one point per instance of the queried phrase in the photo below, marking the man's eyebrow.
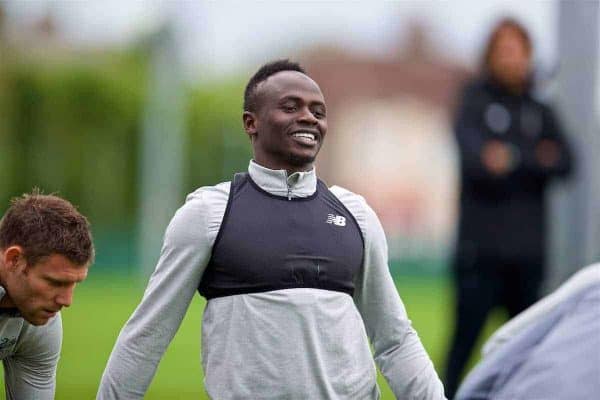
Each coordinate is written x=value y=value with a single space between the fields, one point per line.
x=62 y=280
x=55 y=279
x=289 y=97
x=292 y=97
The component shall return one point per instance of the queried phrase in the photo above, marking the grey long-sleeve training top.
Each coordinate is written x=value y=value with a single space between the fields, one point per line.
x=29 y=355
x=290 y=344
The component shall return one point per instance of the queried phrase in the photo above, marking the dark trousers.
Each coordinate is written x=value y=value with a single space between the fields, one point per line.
x=481 y=284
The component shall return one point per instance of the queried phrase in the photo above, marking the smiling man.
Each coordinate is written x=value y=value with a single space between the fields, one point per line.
x=295 y=274
x=45 y=250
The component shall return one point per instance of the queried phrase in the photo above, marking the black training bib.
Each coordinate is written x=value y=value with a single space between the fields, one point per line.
x=268 y=242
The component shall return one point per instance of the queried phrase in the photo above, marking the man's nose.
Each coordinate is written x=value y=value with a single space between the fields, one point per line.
x=65 y=298
x=308 y=117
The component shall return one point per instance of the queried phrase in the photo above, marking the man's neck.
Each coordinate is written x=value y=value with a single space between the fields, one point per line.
x=288 y=168
x=280 y=182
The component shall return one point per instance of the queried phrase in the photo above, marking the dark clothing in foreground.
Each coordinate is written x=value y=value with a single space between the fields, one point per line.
x=501 y=237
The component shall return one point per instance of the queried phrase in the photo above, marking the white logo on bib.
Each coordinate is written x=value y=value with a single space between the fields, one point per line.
x=336 y=220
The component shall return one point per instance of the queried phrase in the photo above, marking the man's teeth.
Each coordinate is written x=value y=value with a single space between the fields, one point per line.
x=304 y=135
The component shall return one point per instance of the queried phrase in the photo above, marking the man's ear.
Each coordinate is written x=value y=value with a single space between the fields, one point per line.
x=12 y=256
x=249 y=119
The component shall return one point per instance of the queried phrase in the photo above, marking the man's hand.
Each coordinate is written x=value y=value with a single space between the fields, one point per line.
x=547 y=153
x=497 y=157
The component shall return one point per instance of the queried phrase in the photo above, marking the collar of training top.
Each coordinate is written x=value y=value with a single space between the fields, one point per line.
x=278 y=182
x=10 y=312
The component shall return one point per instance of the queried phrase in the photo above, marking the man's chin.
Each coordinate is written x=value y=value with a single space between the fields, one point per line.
x=302 y=160
x=36 y=320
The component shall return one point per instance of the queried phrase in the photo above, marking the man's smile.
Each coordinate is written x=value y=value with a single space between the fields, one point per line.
x=306 y=138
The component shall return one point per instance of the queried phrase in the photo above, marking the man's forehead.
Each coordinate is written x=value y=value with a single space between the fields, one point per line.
x=289 y=81
x=59 y=263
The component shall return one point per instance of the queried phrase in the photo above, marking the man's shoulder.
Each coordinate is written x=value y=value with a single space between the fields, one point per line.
x=204 y=192
x=357 y=205
x=204 y=204
x=208 y=194
x=347 y=196
x=475 y=85
x=43 y=340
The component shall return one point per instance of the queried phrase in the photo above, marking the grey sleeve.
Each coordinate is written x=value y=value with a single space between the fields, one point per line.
x=146 y=335
x=398 y=351
x=587 y=276
x=555 y=357
x=30 y=373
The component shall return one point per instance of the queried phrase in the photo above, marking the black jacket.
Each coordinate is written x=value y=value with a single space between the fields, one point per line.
x=503 y=216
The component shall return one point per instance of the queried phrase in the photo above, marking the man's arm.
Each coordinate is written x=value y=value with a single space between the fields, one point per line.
x=145 y=337
x=398 y=351
x=31 y=372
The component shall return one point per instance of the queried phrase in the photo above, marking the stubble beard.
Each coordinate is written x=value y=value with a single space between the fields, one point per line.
x=301 y=161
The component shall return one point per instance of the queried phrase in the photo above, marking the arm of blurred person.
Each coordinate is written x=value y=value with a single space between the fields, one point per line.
x=584 y=278
x=31 y=372
x=551 y=155
x=146 y=335
x=398 y=351
x=483 y=159
x=497 y=158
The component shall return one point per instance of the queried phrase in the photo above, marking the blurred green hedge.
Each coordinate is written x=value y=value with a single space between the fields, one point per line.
x=72 y=126
x=72 y=129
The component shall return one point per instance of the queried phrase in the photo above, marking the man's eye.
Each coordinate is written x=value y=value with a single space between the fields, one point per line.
x=289 y=108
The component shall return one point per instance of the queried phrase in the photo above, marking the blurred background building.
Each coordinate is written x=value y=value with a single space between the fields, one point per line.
x=391 y=142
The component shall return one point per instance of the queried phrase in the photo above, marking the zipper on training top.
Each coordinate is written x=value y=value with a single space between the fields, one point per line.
x=289 y=188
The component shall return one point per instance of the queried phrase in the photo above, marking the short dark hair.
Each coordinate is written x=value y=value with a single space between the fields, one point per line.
x=44 y=225
x=262 y=74
x=504 y=23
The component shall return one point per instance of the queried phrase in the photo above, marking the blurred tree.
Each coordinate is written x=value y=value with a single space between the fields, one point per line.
x=72 y=124
x=217 y=146
x=71 y=128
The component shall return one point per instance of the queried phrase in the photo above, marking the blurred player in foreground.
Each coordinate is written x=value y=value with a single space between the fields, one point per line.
x=549 y=351
x=45 y=250
x=295 y=274
x=511 y=148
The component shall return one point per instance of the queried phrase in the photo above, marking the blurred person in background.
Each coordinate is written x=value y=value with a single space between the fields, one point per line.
x=295 y=273
x=511 y=148
x=45 y=250
x=549 y=351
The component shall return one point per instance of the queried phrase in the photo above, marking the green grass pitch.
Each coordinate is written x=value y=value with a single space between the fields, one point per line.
x=103 y=304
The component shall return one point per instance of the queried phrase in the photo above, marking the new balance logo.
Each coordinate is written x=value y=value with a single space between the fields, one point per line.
x=7 y=342
x=336 y=220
